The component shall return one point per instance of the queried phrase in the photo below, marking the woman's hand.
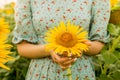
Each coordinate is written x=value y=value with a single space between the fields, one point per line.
x=94 y=47
x=64 y=62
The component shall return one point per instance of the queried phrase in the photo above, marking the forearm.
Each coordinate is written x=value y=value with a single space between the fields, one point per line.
x=31 y=50
x=94 y=48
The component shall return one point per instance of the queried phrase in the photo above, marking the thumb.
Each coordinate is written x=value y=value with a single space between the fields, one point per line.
x=55 y=57
x=88 y=42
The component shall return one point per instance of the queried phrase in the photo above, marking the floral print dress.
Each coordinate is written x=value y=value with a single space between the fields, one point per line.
x=35 y=17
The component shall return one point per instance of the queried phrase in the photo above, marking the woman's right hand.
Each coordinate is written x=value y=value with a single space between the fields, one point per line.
x=64 y=62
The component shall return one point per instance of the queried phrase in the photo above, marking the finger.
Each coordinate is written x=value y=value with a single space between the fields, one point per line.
x=63 y=60
x=59 y=59
x=69 y=62
x=65 y=67
x=56 y=58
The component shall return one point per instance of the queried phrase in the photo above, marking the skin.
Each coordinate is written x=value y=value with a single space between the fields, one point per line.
x=30 y=50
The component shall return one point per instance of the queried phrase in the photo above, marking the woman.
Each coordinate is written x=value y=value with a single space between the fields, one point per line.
x=34 y=17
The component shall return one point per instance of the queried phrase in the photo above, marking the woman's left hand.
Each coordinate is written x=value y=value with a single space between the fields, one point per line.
x=63 y=62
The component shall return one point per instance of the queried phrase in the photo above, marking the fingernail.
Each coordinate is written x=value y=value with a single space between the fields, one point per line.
x=70 y=66
x=75 y=59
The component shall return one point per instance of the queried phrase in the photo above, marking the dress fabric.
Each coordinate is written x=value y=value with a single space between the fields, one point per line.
x=35 y=17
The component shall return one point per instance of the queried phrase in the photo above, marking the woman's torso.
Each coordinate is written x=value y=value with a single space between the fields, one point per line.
x=47 y=14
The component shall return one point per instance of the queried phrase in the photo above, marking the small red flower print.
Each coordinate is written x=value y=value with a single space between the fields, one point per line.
x=28 y=22
x=89 y=12
x=69 y=10
x=25 y=15
x=86 y=58
x=19 y=22
x=53 y=2
x=29 y=2
x=81 y=22
x=93 y=3
x=64 y=17
x=16 y=14
x=58 y=71
x=79 y=69
x=81 y=8
x=77 y=78
x=25 y=33
x=84 y=20
x=36 y=65
x=41 y=20
x=51 y=20
x=86 y=77
x=94 y=22
x=38 y=12
x=38 y=29
x=35 y=2
x=30 y=72
x=98 y=11
x=49 y=9
x=105 y=18
x=98 y=30
x=86 y=2
x=42 y=66
x=108 y=11
x=74 y=0
x=25 y=7
x=92 y=75
x=43 y=77
x=31 y=38
x=47 y=27
x=74 y=19
x=36 y=75
x=43 y=2
x=85 y=66
x=57 y=10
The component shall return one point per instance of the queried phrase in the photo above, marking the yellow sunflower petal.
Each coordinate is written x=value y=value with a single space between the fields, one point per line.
x=3 y=66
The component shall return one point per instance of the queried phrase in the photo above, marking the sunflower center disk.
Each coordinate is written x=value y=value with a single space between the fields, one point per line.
x=67 y=39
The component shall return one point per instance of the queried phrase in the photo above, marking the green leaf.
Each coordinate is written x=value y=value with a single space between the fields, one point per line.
x=109 y=57
x=117 y=54
x=113 y=29
x=104 y=77
x=116 y=75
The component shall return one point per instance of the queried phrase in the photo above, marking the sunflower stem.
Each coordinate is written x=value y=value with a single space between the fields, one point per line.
x=69 y=73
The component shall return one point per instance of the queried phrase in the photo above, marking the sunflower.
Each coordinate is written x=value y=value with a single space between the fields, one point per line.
x=66 y=39
x=114 y=2
x=12 y=4
x=4 y=27
x=4 y=55
x=1 y=10
x=4 y=48
x=9 y=11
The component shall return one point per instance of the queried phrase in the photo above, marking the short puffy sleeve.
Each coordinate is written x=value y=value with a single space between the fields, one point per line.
x=24 y=29
x=100 y=19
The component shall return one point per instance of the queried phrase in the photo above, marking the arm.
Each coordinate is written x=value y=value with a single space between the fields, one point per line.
x=24 y=32
x=38 y=51
x=94 y=48
x=98 y=29
x=29 y=50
